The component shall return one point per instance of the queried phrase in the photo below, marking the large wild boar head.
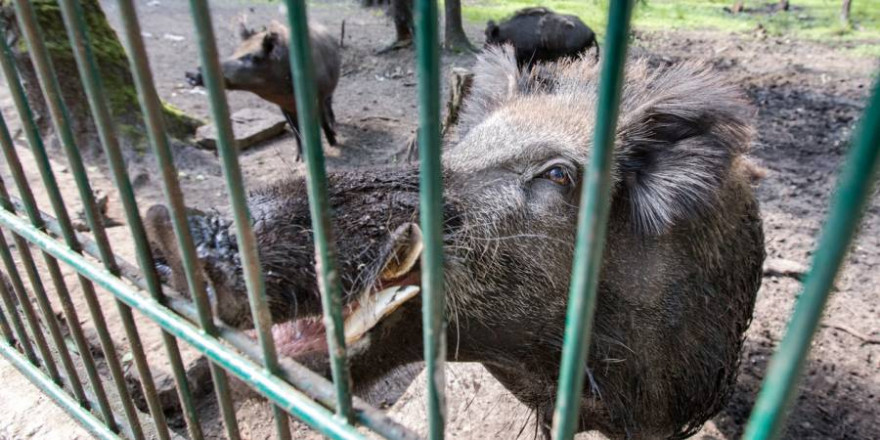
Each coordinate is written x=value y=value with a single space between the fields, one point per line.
x=681 y=266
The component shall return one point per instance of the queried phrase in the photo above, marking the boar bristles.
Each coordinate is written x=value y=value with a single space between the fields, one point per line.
x=680 y=128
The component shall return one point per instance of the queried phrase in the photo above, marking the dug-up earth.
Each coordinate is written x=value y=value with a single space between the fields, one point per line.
x=807 y=96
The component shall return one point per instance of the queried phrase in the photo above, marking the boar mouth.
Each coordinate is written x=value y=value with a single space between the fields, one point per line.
x=397 y=282
x=392 y=279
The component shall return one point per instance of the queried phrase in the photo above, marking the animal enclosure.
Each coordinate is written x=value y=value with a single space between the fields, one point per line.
x=46 y=359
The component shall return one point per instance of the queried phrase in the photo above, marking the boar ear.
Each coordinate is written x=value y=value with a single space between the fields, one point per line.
x=270 y=40
x=492 y=29
x=682 y=131
x=244 y=32
x=277 y=27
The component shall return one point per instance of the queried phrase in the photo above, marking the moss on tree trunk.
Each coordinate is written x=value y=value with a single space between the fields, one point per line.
x=119 y=88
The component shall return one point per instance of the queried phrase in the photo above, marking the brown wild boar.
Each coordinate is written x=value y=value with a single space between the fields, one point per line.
x=681 y=266
x=261 y=64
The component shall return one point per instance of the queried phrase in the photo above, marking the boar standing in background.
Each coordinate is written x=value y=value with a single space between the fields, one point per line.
x=261 y=65
x=539 y=34
x=680 y=270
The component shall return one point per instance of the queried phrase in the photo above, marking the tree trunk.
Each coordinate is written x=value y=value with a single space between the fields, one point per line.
x=455 y=37
x=119 y=89
x=844 y=12
x=783 y=5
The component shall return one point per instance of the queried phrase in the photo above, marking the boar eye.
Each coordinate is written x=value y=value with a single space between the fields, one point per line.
x=558 y=175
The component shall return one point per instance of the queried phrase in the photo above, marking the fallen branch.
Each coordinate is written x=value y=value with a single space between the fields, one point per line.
x=866 y=340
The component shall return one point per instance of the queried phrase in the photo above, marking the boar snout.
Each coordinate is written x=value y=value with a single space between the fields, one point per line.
x=216 y=260
x=195 y=78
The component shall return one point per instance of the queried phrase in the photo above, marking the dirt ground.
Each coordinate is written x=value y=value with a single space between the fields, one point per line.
x=807 y=97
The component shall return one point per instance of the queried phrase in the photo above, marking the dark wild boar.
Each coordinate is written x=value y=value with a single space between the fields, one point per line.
x=681 y=266
x=261 y=64
x=539 y=34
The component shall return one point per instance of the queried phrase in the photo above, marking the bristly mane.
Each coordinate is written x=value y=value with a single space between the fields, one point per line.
x=683 y=124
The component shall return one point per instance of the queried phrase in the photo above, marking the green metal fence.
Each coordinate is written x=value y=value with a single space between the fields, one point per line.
x=327 y=406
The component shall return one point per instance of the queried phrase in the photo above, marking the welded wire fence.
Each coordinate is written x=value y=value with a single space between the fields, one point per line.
x=33 y=339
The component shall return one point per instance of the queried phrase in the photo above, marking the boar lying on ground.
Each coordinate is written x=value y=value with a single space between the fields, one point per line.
x=261 y=65
x=539 y=34
x=681 y=266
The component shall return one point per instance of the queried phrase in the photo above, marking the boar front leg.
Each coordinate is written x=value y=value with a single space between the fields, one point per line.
x=294 y=125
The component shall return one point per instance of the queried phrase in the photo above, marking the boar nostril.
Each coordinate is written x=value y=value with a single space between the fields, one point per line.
x=194 y=79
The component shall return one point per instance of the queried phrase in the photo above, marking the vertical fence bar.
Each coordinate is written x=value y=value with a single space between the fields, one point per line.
x=104 y=252
x=9 y=303
x=593 y=219
x=97 y=227
x=61 y=290
x=51 y=90
x=67 y=231
x=264 y=382
x=56 y=393
x=431 y=217
x=49 y=320
x=247 y=243
x=152 y=109
x=27 y=308
x=853 y=192
x=325 y=244
x=4 y=324
x=45 y=307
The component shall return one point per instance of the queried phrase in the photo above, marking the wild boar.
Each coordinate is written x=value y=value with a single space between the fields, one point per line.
x=679 y=275
x=261 y=65
x=539 y=34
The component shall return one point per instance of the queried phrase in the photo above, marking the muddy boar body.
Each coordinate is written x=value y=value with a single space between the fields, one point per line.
x=680 y=271
x=261 y=65
x=539 y=34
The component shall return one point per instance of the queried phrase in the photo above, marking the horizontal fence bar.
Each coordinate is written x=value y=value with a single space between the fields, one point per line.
x=855 y=188
x=305 y=380
x=592 y=223
x=316 y=185
x=265 y=383
x=56 y=393
x=431 y=214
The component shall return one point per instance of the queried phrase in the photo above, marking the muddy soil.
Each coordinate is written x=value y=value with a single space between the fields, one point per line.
x=807 y=97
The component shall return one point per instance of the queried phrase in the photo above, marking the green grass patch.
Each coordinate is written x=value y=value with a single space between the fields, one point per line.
x=809 y=19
